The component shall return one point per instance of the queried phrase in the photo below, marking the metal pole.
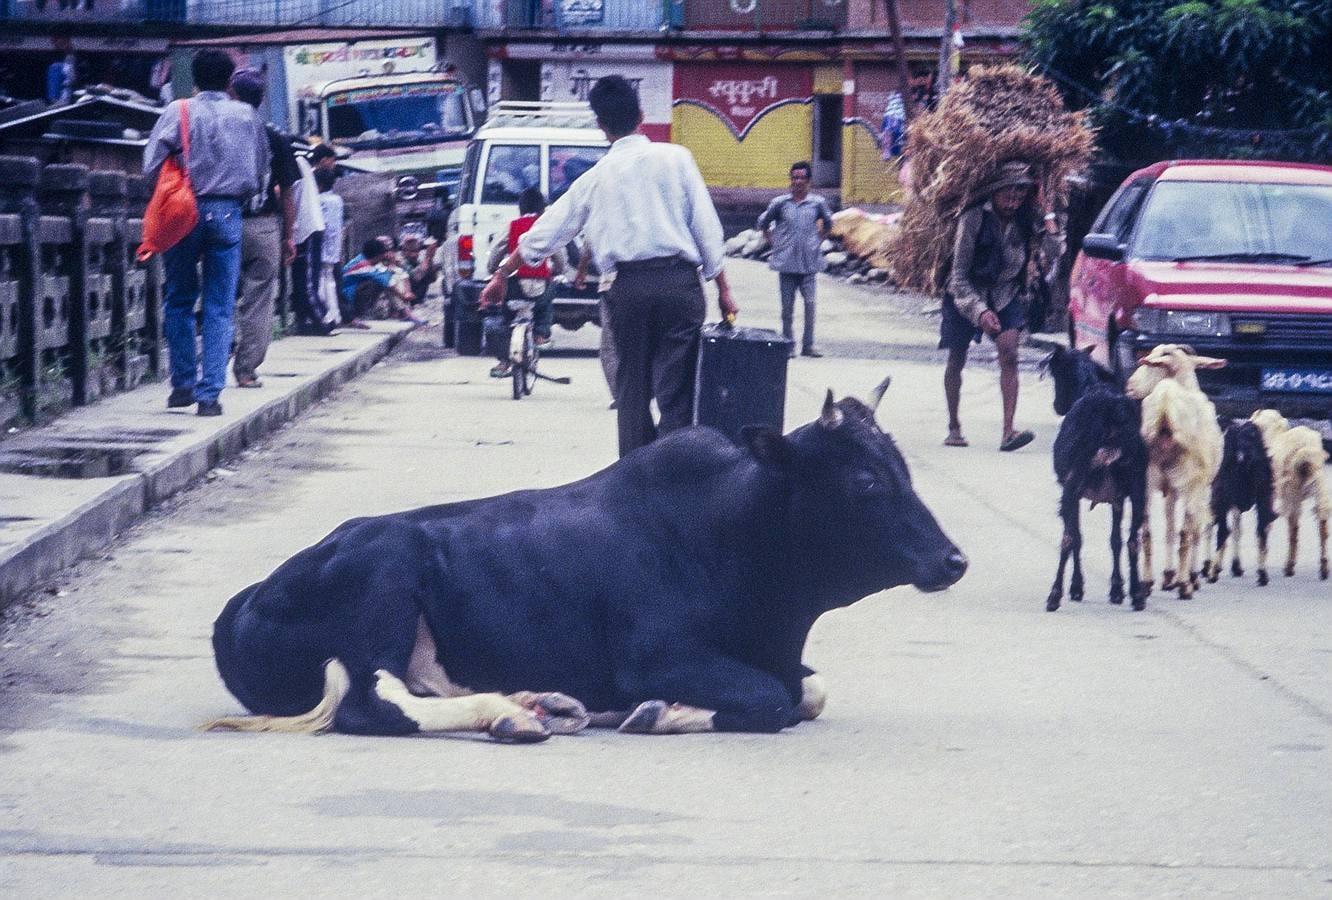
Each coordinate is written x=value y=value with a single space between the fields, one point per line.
x=946 y=48
x=899 y=50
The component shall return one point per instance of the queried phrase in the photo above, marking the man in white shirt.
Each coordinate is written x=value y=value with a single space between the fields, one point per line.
x=647 y=214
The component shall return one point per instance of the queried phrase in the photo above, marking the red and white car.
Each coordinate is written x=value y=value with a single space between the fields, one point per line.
x=1233 y=258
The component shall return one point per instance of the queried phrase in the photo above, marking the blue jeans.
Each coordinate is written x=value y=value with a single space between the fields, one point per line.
x=216 y=242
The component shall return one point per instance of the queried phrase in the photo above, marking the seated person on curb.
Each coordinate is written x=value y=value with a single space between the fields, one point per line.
x=418 y=261
x=368 y=285
x=529 y=282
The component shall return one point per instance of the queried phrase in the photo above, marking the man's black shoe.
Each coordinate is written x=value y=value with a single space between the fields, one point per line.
x=811 y=352
x=210 y=409
x=180 y=397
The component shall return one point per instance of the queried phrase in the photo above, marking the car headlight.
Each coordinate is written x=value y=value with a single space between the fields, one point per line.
x=1181 y=322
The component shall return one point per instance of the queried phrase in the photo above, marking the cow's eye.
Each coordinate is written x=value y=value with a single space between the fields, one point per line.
x=864 y=482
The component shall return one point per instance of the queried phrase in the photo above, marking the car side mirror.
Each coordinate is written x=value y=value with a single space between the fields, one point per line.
x=1103 y=246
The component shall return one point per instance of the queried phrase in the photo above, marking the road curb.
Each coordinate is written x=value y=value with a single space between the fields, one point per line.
x=93 y=524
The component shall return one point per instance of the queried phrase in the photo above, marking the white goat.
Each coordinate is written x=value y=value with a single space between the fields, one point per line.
x=1184 y=447
x=1297 y=456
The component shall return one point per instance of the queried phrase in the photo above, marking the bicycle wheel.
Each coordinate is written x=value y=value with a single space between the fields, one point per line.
x=530 y=357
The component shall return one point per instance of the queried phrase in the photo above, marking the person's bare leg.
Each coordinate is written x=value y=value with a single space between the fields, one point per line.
x=957 y=360
x=1007 y=343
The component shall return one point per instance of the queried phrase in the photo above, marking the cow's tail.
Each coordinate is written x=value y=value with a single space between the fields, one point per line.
x=337 y=682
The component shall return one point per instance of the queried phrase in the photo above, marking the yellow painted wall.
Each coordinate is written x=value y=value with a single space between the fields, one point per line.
x=866 y=178
x=761 y=160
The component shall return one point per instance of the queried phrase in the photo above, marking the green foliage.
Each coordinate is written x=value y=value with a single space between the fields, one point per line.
x=1229 y=78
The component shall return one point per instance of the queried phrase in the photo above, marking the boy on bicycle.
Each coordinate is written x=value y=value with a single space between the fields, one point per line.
x=533 y=283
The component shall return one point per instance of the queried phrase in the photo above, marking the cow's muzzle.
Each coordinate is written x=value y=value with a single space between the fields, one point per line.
x=945 y=574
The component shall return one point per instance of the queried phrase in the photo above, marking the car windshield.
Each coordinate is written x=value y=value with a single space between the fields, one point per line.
x=1236 y=221
x=397 y=114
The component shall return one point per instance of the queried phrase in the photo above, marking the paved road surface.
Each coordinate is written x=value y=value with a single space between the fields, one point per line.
x=974 y=745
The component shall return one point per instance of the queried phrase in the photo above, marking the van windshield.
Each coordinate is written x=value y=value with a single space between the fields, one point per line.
x=397 y=115
x=567 y=163
x=1235 y=221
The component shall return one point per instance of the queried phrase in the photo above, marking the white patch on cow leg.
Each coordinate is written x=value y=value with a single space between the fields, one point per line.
x=470 y=712
x=424 y=673
x=656 y=717
x=813 y=697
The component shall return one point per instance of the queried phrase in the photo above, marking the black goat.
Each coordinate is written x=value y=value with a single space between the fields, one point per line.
x=1075 y=373
x=1244 y=482
x=1099 y=456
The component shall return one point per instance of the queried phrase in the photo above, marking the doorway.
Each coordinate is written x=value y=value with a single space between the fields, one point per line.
x=827 y=155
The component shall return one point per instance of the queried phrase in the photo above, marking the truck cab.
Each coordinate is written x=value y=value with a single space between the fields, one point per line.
x=545 y=145
x=412 y=126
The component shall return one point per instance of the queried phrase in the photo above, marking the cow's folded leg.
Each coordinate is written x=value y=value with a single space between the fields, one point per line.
x=713 y=694
x=495 y=713
x=613 y=718
x=660 y=717
x=561 y=713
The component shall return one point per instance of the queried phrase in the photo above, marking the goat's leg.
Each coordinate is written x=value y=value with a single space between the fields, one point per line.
x=1292 y=536
x=1188 y=534
x=1212 y=568
x=1236 y=567
x=1322 y=509
x=1116 y=543
x=1266 y=516
x=1171 y=537
x=1145 y=533
x=1068 y=511
x=1138 y=589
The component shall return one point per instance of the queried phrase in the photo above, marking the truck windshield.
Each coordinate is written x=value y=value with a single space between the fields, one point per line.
x=1235 y=222
x=394 y=115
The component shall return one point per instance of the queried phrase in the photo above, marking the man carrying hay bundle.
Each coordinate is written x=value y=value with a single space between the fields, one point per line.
x=987 y=287
x=985 y=162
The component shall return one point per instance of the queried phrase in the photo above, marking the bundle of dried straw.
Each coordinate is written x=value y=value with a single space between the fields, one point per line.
x=995 y=114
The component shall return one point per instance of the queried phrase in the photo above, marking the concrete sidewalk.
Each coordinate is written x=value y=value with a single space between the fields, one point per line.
x=95 y=470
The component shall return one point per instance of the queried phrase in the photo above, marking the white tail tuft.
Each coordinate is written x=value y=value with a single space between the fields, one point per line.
x=320 y=719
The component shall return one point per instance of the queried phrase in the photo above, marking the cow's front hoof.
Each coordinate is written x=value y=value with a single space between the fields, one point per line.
x=1168 y=580
x=1052 y=604
x=1236 y=570
x=519 y=728
x=644 y=719
x=1262 y=578
x=560 y=713
x=1289 y=571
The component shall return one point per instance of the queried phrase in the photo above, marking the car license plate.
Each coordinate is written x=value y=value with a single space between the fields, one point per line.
x=1297 y=381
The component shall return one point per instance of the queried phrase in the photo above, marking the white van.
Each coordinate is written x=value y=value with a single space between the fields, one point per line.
x=521 y=145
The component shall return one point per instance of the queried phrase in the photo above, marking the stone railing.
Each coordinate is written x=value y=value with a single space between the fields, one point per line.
x=79 y=318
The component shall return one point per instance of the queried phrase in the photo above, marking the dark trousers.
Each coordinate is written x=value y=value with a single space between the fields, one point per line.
x=306 y=304
x=656 y=310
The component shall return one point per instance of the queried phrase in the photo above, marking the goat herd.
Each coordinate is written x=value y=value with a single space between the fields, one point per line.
x=1160 y=433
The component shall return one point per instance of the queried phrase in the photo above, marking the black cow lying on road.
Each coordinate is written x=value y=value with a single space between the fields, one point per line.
x=670 y=592
x=1100 y=456
x=1244 y=482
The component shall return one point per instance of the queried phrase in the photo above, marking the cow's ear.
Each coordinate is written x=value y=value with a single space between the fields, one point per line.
x=767 y=445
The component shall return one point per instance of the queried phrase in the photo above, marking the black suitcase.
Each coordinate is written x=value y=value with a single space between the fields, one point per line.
x=740 y=379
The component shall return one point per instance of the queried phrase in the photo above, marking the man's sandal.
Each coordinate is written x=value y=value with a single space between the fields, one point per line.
x=956 y=440
x=1016 y=441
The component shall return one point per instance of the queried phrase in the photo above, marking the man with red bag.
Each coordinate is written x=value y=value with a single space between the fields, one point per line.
x=226 y=155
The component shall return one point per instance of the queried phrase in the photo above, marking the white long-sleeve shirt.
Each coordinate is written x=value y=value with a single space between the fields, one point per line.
x=642 y=200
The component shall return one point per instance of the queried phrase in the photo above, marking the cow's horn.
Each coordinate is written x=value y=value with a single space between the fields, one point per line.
x=876 y=396
x=831 y=417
